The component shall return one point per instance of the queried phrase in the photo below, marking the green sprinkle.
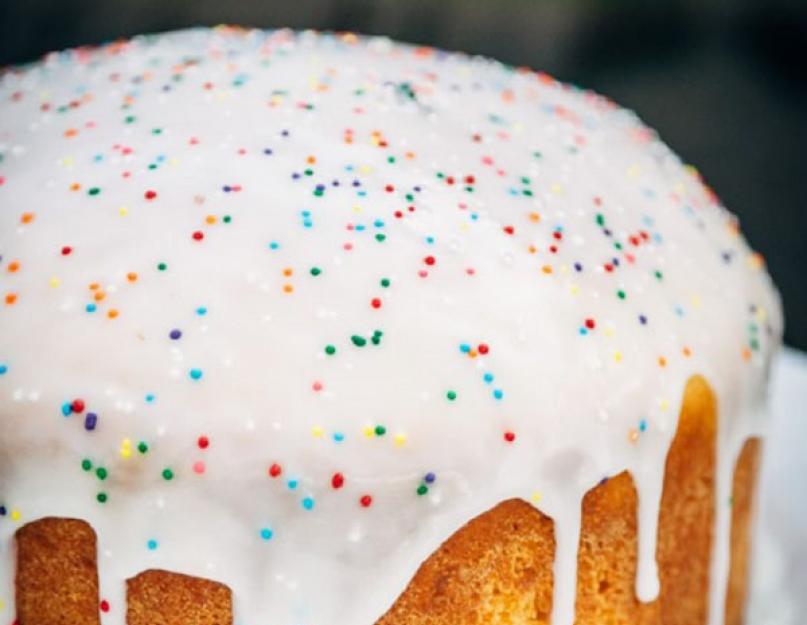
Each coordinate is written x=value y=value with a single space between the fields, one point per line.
x=226 y=219
x=358 y=341
x=156 y=131
x=380 y=430
x=101 y=497
x=658 y=275
x=142 y=447
x=162 y=266
x=391 y=160
x=168 y=475
x=93 y=191
x=600 y=219
x=422 y=489
x=130 y=119
x=385 y=282
x=102 y=473
x=621 y=294
x=86 y=464
x=380 y=237
x=330 y=350
x=315 y=271
x=377 y=337
x=451 y=395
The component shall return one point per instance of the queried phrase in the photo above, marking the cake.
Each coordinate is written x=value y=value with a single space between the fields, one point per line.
x=320 y=329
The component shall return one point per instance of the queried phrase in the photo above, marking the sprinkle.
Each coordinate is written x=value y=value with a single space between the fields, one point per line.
x=266 y=533
x=337 y=480
x=509 y=436
x=196 y=374
x=275 y=470
x=101 y=497
x=104 y=605
x=451 y=395
x=151 y=544
x=175 y=334
x=199 y=467
x=3 y=369
x=308 y=503
x=366 y=501
x=168 y=475
x=90 y=421
x=330 y=350
x=358 y=341
x=150 y=194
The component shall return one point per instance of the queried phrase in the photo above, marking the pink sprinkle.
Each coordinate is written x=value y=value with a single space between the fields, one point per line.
x=199 y=467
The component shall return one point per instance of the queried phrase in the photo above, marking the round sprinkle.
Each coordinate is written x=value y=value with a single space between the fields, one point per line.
x=509 y=436
x=101 y=497
x=168 y=475
x=86 y=464
x=451 y=395
x=275 y=470
x=175 y=334
x=366 y=501
x=308 y=503
x=266 y=533
x=151 y=544
x=150 y=194
x=196 y=374
x=330 y=350
x=337 y=480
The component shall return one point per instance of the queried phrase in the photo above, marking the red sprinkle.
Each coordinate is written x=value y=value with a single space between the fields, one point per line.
x=77 y=406
x=366 y=501
x=338 y=480
x=591 y=324
x=104 y=605
x=198 y=235
x=509 y=437
x=150 y=194
x=203 y=442
x=275 y=470
x=66 y=250
x=375 y=302
x=483 y=348
x=430 y=260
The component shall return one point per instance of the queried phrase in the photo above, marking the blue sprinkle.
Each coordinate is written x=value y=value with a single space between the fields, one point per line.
x=151 y=544
x=338 y=437
x=642 y=319
x=274 y=245
x=67 y=409
x=195 y=374
x=150 y=397
x=430 y=240
x=266 y=533
x=308 y=503
x=3 y=369
x=201 y=311
x=498 y=394
x=90 y=421
x=378 y=223
x=643 y=425
x=429 y=478
x=267 y=151
x=292 y=484
x=488 y=378
x=90 y=308
x=583 y=331
x=2 y=511
x=465 y=348
x=360 y=228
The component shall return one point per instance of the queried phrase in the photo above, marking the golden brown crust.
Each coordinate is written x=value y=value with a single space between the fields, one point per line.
x=743 y=492
x=686 y=518
x=157 y=597
x=57 y=579
x=496 y=570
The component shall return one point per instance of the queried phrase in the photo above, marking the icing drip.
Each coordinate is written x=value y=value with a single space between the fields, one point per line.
x=286 y=310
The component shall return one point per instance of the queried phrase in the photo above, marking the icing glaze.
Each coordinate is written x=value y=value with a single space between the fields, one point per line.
x=286 y=310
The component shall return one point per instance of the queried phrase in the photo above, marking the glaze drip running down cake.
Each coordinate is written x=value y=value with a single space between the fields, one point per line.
x=285 y=311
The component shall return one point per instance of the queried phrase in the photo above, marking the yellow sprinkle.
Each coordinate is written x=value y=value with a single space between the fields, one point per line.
x=15 y=515
x=368 y=431
x=617 y=356
x=536 y=496
x=123 y=211
x=317 y=431
x=400 y=440
x=556 y=188
x=126 y=448
x=173 y=162
x=365 y=169
x=696 y=301
x=574 y=289
x=608 y=331
x=55 y=282
x=357 y=209
x=664 y=405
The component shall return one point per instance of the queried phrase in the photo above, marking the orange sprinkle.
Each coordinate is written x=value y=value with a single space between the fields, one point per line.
x=112 y=313
x=288 y=288
x=410 y=155
x=547 y=268
x=535 y=217
x=311 y=160
x=94 y=286
x=532 y=249
x=75 y=186
x=288 y=271
x=27 y=218
x=99 y=295
x=687 y=352
x=662 y=361
x=633 y=435
x=13 y=266
x=211 y=219
x=131 y=276
x=70 y=132
x=11 y=298
x=746 y=354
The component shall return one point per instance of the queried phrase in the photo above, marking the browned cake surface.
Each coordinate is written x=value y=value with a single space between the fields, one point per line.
x=496 y=570
x=161 y=598
x=57 y=579
x=741 y=515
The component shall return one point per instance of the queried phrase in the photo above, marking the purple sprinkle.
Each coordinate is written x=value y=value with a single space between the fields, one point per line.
x=578 y=267
x=175 y=334
x=90 y=421
x=429 y=478
x=642 y=319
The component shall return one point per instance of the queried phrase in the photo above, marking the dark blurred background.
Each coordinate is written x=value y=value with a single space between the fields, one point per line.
x=724 y=82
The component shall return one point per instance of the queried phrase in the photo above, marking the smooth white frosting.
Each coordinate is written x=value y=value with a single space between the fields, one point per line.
x=499 y=174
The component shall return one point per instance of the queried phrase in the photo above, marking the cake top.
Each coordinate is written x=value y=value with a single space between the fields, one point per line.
x=286 y=309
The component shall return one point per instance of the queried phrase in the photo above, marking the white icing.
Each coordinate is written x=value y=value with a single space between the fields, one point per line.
x=205 y=105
